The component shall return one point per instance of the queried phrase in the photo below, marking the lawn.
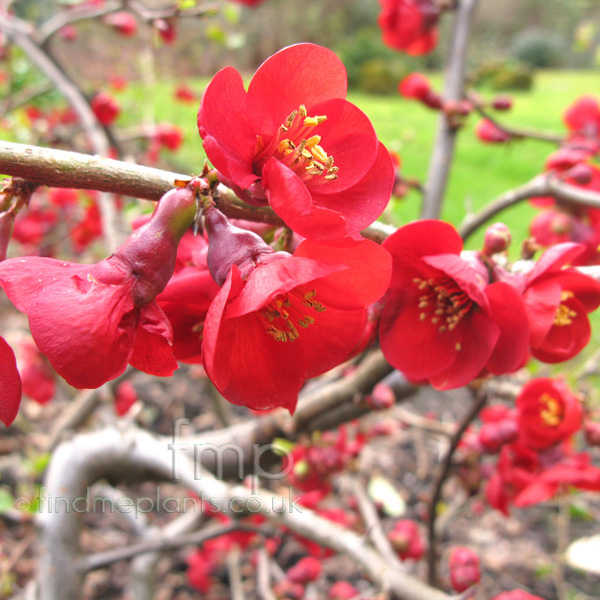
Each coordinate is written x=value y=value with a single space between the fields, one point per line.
x=480 y=172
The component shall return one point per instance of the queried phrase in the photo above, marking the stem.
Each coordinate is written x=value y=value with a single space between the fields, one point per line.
x=432 y=551
x=443 y=150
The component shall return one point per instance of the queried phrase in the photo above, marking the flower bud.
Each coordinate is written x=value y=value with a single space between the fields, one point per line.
x=382 y=397
x=591 y=430
x=502 y=103
x=406 y=540
x=342 y=590
x=230 y=245
x=497 y=239
x=581 y=173
x=305 y=570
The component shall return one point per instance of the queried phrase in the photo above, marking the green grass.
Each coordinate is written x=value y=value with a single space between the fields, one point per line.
x=480 y=172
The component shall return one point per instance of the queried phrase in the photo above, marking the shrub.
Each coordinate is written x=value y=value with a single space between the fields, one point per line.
x=538 y=48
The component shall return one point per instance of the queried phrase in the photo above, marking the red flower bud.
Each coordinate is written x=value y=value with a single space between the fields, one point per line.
x=342 y=590
x=490 y=133
x=124 y=23
x=415 y=85
x=497 y=239
x=464 y=569
x=288 y=590
x=406 y=540
x=125 y=397
x=591 y=430
x=502 y=102
x=105 y=107
x=382 y=397
x=305 y=570
x=580 y=173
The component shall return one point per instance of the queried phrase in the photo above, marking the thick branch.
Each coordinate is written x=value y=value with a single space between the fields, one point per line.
x=136 y=455
x=60 y=168
x=543 y=185
x=443 y=149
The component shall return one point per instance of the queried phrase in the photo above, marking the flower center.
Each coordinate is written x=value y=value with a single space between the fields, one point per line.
x=551 y=412
x=287 y=311
x=443 y=302
x=295 y=147
x=564 y=314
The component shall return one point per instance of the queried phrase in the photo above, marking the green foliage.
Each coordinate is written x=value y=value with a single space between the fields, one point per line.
x=498 y=75
x=538 y=48
x=370 y=64
x=377 y=76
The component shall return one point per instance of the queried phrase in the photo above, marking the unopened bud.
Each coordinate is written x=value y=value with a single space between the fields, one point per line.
x=502 y=103
x=581 y=173
x=382 y=397
x=464 y=569
x=497 y=239
x=591 y=430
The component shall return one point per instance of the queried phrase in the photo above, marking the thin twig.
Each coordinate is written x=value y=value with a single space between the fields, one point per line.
x=263 y=577
x=443 y=149
x=236 y=585
x=432 y=550
x=542 y=185
x=373 y=524
x=104 y=559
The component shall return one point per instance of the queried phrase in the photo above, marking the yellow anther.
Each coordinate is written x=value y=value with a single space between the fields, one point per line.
x=331 y=177
x=285 y=145
x=290 y=120
x=458 y=347
x=319 y=153
x=422 y=316
x=302 y=111
x=313 y=141
x=552 y=413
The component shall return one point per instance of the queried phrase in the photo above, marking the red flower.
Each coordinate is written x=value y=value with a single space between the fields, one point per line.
x=37 y=375
x=307 y=569
x=342 y=590
x=464 y=568
x=407 y=540
x=278 y=143
x=125 y=23
x=63 y=197
x=105 y=107
x=583 y=117
x=548 y=413
x=106 y=314
x=525 y=476
x=409 y=25
x=200 y=570
x=490 y=133
x=441 y=321
x=184 y=93
x=88 y=229
x=279 y=319
x=415 y=85
x=10 y=384
x=557 y=302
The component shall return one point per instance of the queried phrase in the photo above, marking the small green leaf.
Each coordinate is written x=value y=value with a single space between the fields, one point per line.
x=381 y=491
x=7 y=501
x=216 y=34
x=232 y=13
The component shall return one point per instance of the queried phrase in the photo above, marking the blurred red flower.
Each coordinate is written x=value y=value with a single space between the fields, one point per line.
x=409 y=25
x=488 y=132
x=548 y=412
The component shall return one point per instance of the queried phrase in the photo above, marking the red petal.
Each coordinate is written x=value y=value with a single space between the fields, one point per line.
x=364 y=202
x=301 y=74
x=153 y=349
x=24 y=278
x=417 y=239
x=10 y=384
x=223 y=124
x=365 y=278
x=479 y=335
x=278 y=277
x=87 y=336
x=415 y=347
x=291 y=200
x=554 y=259
x=541 y=301
x=508 y=311
x=251 y=369
x=349 y=137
